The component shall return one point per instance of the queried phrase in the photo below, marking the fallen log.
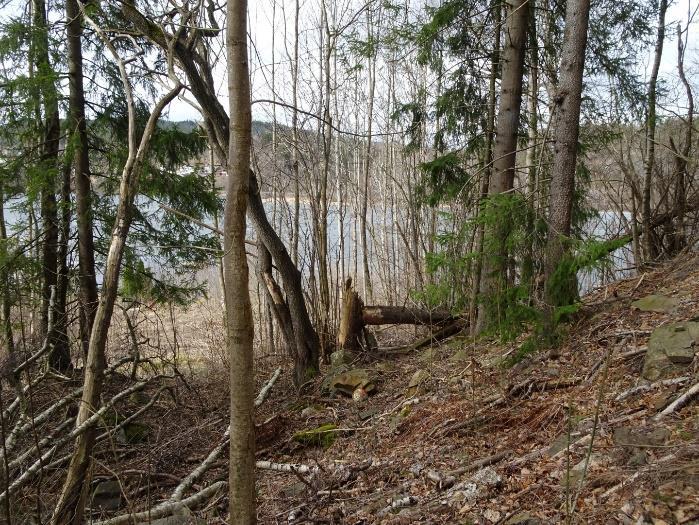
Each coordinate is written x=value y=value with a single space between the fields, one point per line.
x=379 y=315
x=355 y=317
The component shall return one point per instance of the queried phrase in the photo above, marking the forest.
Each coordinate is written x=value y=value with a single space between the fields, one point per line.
x=349 y=261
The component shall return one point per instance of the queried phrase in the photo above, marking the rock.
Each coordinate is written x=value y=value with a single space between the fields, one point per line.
x=670 y=348
x=295 y=489
x=640 y=437
x=574 y=477
x=460 y=356
x=322 y=436
x=312 y=411
x=181 y=517
x=139 y=397
x=347 y=382
x=132 y=433
x=487 y=477
x=107 y=496
x=476 y=487
x=359 y=395
x=656 y=303
x=416 y=382
x=638 y=459
x=522 y=518
x=340 y=357
x=492 y=515
x=416 y=469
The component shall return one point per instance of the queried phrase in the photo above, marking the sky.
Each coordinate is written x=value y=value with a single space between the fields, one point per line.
x=261 y=35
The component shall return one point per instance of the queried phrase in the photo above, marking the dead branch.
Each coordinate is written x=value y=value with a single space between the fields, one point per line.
x=167 y=508
x=651 y=386
x=399 y=503
x=479 y=464
x=680 y=402
x=209 y=461
x=637 y=475
x=264 y=391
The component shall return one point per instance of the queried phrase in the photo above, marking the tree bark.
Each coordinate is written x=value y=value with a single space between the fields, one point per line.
x=83 y=191
x=650 y=249
x=49 y=124
x=487 y=158
x=241 y=472
x=494 y=271
x=565 y=136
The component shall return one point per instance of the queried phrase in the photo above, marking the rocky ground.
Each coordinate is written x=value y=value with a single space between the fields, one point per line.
x=603 y=433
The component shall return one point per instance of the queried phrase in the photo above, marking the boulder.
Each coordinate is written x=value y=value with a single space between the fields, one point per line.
x=478 y=486
x=417 y=381
x=640 y=437
x=347 y=382
x=670 y=348
x=107 y=496
x=341 y=357
x=656 y=303
x=322 y=436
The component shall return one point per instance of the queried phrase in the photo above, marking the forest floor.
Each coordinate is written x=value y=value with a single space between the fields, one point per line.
x=472 y=441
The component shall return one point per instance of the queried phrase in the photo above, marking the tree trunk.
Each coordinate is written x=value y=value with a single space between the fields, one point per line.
x=241 y=472
x=494 y=273
x=83 y=192
x=59 y=357
x=531 y=156
x=306 y=339
x=217 y=125
x=71 y=503
x=682 y=153
x=351 y=322
x=487 y=158
x=565 y=136
x=651 y=251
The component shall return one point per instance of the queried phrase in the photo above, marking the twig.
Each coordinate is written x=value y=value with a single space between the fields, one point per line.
x=484 y=462
x=680 y=402
x=636 y=475
x=399 y=503
x=651 y=386
x=205 y=465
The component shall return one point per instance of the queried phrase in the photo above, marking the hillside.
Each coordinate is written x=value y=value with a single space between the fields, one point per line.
x=448 y=436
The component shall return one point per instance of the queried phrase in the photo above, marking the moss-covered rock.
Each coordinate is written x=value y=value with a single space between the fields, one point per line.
x=656 y=303
x=322 y=436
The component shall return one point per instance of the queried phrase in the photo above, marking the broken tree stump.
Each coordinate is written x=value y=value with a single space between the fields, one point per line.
x=351 y=321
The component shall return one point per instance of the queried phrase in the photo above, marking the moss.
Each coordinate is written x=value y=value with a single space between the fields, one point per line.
x=322 y=436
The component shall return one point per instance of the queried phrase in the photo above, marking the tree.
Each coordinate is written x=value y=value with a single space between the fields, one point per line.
x=71 y=503
x=649 y=246
x=241 y=472
x=494 y=274
x=83 y=191
x=216 y=123
x=47 y=171
x=563 y=290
